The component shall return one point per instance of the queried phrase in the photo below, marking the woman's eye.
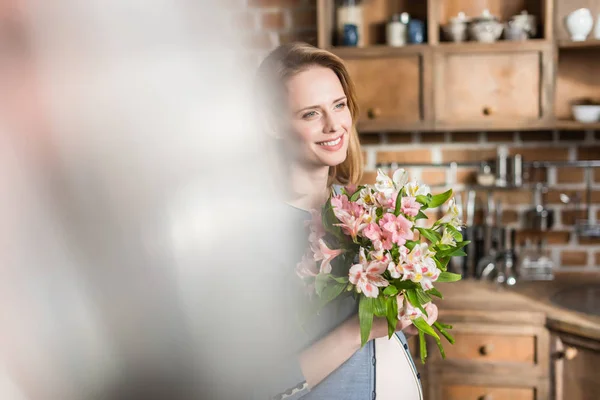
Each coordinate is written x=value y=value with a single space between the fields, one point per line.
x=309 y=114
x=340 y=105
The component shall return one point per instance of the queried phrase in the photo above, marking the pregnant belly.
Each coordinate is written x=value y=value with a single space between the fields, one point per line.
x=396 y=377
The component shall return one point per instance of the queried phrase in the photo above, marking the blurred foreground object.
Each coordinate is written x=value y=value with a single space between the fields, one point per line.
x=135 y=204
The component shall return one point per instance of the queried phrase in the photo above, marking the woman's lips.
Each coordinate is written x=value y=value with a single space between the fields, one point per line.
x=334 y=144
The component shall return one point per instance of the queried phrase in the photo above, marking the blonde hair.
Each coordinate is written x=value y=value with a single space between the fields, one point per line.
x=290 y=59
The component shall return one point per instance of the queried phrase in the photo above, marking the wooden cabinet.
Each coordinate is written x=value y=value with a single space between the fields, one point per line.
x=397 y=98
x=497 y=355
x=466 y=392
x=493 y=87
x=575 y=368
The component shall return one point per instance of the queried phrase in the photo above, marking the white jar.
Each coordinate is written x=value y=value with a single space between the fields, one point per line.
x=396 y=32
x=579 y=24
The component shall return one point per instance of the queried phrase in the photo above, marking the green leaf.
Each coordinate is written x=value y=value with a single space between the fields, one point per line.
x=423 y=200
x=445 y=326
x=422 y=347
x=457 y=253
x=423 y=297
x=454 y=232
x=379 y=213
x=449 y=277
x=439 y=199
x=330 y=293
x=403 y=285
x=391 y=290
x=430 y=234
x=441 y=262
x=355 y=196
x=410 y=244
x=339 y=279
x=435 y=292
x=392 y=315
x=442 y=330
x=365 y=317
x=424 y=327
x=398 y=204
x=379 y=307
x=320 y=283
x=420 y=215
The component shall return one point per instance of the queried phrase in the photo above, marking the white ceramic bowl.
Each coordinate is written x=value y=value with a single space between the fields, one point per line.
x=586 y=113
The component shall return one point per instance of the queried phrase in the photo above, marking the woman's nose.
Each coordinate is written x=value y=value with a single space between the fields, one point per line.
x=332 y=123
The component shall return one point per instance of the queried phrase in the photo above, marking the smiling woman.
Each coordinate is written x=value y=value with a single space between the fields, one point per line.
x=310 y=106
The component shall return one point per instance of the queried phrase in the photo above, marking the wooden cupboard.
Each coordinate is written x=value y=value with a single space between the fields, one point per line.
x=438 y=85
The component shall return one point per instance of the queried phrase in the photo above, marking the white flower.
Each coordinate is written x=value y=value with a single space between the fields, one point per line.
x=452 y=216
x=415 y=189
x=447 y=238
x=366 y=198
x=389 y=186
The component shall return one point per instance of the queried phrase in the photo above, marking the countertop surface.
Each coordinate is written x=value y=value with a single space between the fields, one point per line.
x=528 y=302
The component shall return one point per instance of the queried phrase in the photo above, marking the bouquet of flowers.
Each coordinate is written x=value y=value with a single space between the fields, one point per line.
x=365 y=242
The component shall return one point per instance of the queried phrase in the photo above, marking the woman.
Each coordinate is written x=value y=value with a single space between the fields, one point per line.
x=312 y=115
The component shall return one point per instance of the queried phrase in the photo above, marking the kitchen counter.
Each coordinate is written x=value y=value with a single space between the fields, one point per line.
x=526 y=302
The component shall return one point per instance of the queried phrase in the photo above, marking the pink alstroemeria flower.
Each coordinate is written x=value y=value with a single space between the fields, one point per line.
x=399 y=270
x=421 y=267
x=386 y=202
x=398 y=226
x=307 y=267
x=380 y=239
x=367 y=276
x=410 y=206
x=326 y=255
x=352 y=216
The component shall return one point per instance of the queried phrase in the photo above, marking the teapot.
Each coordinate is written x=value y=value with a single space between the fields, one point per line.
x=521 y=26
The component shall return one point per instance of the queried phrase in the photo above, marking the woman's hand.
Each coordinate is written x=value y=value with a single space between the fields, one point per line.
x=432 y=314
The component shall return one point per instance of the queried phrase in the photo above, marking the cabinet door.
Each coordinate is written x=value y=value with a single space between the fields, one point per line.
x=575 y=369
x=389 y=90
x=494 y=89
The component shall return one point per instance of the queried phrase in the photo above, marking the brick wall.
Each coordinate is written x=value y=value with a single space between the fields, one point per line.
x=273 y=22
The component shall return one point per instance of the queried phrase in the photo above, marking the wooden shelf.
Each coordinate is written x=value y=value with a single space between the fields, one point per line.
x=375 y=126
x=466 y=47
x=568 y=44
x=500 y=45
x=569 y=125
x=378 y=50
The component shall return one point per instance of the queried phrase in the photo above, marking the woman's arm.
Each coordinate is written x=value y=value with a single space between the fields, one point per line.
x=326 y=355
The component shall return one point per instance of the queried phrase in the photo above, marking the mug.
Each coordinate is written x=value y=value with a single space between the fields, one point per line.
x=416 y=31
x=350 y=35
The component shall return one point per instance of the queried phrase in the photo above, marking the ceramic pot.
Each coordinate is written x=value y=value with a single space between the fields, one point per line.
x=456 y=29
x=514 y=32
x=579 y=24
x=524 y=22
x=486 y=28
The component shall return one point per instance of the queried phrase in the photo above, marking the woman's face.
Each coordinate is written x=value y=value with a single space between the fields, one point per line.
x=320 y=118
